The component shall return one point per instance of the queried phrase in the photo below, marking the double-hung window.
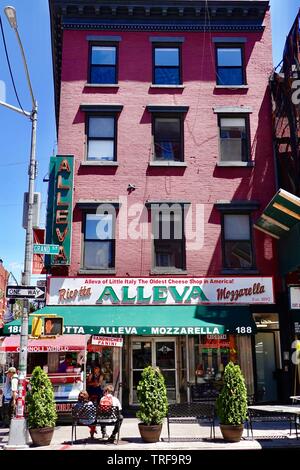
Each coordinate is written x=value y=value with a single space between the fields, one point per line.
x=169 y=239
x=168 y=138
x=234 y=138
x=103 y=64
x=99 y=241
x=237 y=241
x=230 y=65
x=101 y=138
x=167 y=65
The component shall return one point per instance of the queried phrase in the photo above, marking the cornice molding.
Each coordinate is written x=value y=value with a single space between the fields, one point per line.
x=157 y=26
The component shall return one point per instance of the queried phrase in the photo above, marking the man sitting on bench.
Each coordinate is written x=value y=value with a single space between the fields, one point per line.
x=108 y=400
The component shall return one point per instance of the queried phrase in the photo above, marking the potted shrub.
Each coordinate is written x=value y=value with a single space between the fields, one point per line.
x=232 y=403
x=41 y=408
x=153 y=402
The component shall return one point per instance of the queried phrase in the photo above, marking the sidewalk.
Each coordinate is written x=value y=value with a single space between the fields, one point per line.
x=183 y=437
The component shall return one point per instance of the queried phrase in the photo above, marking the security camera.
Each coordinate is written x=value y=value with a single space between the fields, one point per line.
x=131 y=187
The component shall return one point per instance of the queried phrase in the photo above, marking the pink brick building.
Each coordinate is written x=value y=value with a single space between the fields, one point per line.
x=166 y=105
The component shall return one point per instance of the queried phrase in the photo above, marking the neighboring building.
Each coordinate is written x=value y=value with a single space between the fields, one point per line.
x=281 y=217
x=166 y=104
x=4 y=275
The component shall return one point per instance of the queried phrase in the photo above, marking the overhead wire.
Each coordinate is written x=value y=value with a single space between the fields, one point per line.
x=9 y=66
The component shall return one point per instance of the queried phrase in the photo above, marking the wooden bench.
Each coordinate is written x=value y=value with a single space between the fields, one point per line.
x=186 y=413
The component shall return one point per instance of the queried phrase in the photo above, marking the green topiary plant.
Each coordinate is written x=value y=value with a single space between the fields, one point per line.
x=40 y=401
x=152 y=397
x=232 y=401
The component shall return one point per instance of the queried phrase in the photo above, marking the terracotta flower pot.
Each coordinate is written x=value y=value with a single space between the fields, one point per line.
x=150 y=433
x=232 y=432
x=41 y=436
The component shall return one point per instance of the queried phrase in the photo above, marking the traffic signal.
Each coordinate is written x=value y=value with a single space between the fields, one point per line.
x=53 y=326
x=37 y=327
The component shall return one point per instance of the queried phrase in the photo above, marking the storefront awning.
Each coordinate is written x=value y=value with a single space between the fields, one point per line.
x=281 y=214
x=68 y=343
x=149 y=320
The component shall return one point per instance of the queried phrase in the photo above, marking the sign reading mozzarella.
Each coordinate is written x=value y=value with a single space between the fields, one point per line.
x=160 y=291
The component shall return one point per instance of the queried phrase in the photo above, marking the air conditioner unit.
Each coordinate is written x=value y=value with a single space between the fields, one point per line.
x=36 y=210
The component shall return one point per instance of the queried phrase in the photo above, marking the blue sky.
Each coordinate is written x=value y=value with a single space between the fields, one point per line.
x=15 y=129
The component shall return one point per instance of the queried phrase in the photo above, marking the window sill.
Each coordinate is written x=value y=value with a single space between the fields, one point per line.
x=101 y=85
x=168 y=271
x=231 y=164
x=167 y=163
x=167 y=86
x=232 y=87
x=99 y=163
x=97 y=271
x=239 y=271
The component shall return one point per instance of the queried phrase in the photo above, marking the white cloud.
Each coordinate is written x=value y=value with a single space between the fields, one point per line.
x=15 y=266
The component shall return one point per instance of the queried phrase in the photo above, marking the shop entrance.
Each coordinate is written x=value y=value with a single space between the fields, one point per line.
x=158 y=353
x=267 y=356
x=266 y=366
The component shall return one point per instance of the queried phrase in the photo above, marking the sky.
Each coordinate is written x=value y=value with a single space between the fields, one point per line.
x=15 y=129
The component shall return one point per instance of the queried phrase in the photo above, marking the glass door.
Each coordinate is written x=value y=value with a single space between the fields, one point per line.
x=158 y=353
x=265 y=366
x=165 y=359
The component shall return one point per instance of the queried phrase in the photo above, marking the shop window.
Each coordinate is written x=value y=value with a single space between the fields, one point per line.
x=101 y=138
x=211 y=355
x=99 y=241
x=103 y=64
x=168 y=138
x=230 y=68
x=167 y=69
x=169 y=240
x=234 y=138
x=237 y=241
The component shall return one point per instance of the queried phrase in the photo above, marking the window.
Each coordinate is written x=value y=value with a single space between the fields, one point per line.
x=169 y=240
x=103 y=64
x=237 y=241
x=234 y=138
x=166 y=65
x=99 y=242
x=168 y=141
x=101 y=142
x=230 y=69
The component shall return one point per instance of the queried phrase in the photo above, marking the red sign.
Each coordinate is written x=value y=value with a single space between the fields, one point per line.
x=38 y=260
x=107 y=341
x=3 y=284
x=216 y=342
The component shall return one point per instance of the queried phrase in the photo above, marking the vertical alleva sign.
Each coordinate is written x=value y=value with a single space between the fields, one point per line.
x=60 y=206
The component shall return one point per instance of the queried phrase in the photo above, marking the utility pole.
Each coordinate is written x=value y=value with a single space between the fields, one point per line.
x=18 y=432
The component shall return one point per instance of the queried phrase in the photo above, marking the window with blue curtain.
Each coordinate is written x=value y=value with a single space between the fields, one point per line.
x=230 y=69
x=167 y=65
x=103 y=64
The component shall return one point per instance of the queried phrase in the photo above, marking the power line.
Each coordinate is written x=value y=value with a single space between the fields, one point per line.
x=9 y=66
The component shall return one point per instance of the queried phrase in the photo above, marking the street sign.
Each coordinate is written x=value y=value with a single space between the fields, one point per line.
x=46 y=249
x=26 y=292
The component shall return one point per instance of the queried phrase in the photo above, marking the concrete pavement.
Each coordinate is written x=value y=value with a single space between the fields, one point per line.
x=184 y=437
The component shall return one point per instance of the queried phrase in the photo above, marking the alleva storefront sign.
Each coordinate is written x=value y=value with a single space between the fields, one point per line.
x=160 y=291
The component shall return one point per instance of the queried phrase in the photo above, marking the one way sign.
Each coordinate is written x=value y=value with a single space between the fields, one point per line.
x=26 y=292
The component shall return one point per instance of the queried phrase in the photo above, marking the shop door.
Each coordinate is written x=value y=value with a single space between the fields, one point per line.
x=155 y=352
x=265 y=366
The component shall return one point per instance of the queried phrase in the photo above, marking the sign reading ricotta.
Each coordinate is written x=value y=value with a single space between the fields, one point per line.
x=160 y=291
